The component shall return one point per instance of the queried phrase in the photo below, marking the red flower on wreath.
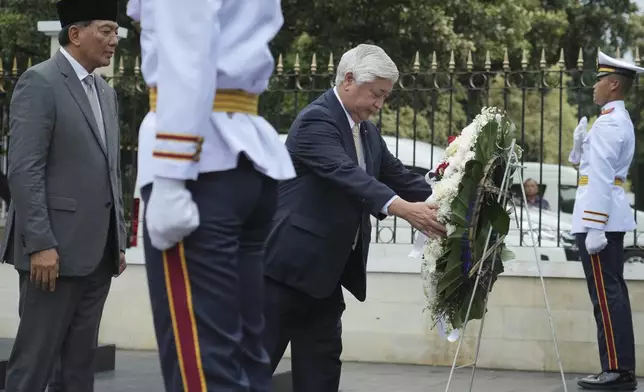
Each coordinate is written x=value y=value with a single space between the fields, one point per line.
x=450 y=139
x=440 y=170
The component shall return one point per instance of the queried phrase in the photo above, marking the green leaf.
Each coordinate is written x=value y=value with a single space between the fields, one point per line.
x=453 y=254
x=499 y=218
x=507 y=254
x=476 y=312
x=486 y=142
x=461 y=202
x=459 y=214
x=479 y=244
x=457 y=234
x=474 y=170
x=450 y=281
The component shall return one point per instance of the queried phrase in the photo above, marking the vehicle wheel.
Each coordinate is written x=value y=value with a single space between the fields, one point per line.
x=634 y=256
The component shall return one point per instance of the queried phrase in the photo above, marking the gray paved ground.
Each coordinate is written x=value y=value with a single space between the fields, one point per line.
x=139 y=371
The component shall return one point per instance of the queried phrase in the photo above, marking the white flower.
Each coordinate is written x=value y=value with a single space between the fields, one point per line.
x=451 y=149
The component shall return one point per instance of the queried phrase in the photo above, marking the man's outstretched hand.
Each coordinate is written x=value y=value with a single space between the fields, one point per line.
x=422 y=216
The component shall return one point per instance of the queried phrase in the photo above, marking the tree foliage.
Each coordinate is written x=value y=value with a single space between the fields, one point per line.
x=403 y=28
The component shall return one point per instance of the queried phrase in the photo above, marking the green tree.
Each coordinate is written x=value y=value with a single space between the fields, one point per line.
x=557 y=126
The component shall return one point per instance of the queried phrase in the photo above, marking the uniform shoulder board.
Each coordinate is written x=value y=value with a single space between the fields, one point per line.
x=606 y=111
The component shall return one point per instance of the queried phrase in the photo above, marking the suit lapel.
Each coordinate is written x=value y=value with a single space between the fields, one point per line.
x=340 y=118
x=78 y=93
x=107 y=111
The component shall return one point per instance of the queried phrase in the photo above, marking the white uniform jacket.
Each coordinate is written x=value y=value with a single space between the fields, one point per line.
x=191 y=51
x=607 y=153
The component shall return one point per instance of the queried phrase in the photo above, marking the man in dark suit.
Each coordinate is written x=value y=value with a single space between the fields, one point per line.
x=320 y=239
x=65 y=228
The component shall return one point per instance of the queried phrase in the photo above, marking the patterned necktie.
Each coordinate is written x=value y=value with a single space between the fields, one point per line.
x=358 y=143
x=93 y=101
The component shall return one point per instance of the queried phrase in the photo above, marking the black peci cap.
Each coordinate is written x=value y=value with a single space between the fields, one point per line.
x=73 y=11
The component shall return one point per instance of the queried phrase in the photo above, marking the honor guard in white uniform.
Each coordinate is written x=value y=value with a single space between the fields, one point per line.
x=601 y=216
x=208 y=171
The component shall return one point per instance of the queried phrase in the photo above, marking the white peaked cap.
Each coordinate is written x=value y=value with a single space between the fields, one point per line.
x=607 y=65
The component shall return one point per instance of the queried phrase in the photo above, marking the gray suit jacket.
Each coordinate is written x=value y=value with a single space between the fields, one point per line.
x=65 y=184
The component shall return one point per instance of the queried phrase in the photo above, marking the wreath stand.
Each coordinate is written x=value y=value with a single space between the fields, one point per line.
x=514 y=162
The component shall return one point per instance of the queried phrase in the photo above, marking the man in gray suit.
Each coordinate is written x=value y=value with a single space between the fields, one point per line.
x=66 y=231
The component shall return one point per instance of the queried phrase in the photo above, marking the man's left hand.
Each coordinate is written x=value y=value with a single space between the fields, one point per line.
x=122 y=263
x=595 y=241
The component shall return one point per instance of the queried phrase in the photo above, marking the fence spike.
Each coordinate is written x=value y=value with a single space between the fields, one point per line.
x=524 y=59
x=618 y=54
x=121 y=67
x=452 y=63
x=488 y=62
x=580 y=59
x=543 y=63
x=416 y=66
x=280 y=65
x=562 y=61
x=296 y=66
x=506 y=60
x=470 y=62
x=137 y=65
x=434 y=62
x=314 y=64
x=330 y=66
x=637 y=56
x=14 y=69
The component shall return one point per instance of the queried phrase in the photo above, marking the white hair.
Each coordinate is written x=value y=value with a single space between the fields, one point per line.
x=366 y=63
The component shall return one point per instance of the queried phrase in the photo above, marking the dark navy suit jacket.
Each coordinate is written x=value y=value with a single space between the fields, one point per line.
x=319 y=212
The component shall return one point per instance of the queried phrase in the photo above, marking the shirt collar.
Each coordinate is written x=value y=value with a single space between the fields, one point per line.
x=614 y=104
x=351 y=122
x=81 y=72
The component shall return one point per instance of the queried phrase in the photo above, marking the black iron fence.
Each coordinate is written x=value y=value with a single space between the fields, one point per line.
x=428 y=104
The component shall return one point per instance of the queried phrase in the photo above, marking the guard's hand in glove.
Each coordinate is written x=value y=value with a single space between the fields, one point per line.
x=595 y=241
x=578 y=138
x=171 y=214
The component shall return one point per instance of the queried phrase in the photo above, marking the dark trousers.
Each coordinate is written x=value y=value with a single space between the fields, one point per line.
x=59 y=327
x=313 y=327
x=207 y=291
x=609 y=295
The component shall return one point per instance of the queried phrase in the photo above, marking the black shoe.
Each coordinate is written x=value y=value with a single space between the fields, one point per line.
x=613 y=381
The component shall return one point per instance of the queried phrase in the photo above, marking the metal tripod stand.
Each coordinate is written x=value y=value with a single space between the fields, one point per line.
x=513 y=162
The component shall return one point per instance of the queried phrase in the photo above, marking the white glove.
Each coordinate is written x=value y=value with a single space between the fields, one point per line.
x=171 y=215
x=578 y=138
x=595 y=241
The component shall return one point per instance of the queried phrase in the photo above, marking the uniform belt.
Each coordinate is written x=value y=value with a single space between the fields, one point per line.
x=583 y=180
x=227 y=101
